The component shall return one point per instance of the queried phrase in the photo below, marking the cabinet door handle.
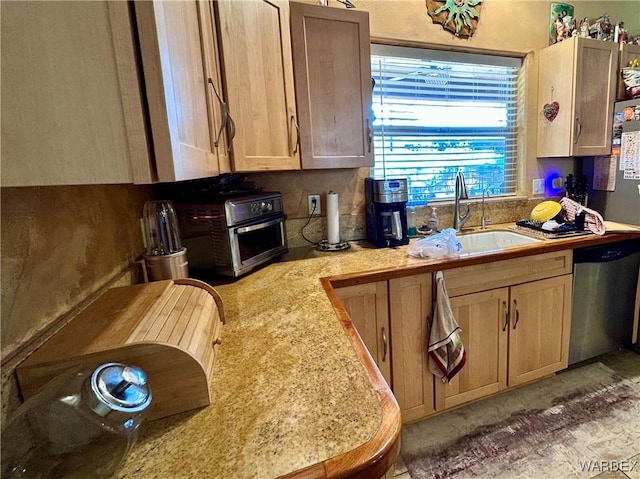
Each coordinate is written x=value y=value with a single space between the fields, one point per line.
x=579 y=128
x=233 y=131
x=223 y=109
x=369 y=135
x=384 y=344
x=515 y=307
x=295 y=123
x=506 y=316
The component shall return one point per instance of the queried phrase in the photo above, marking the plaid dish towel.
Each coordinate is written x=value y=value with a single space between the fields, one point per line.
x=445 y=349
x=592 y=219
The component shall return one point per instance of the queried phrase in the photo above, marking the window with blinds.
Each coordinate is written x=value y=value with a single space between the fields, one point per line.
x=438 y=112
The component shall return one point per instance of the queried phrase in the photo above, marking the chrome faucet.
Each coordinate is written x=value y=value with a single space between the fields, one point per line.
x=461 y=194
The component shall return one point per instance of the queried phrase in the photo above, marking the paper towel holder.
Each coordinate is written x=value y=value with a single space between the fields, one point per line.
x=324 y=245
x=332 y=243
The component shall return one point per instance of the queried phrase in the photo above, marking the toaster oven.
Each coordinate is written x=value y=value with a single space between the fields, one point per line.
x=233 y=236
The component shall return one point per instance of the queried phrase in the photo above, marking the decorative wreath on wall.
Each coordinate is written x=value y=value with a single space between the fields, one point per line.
x=460 y=17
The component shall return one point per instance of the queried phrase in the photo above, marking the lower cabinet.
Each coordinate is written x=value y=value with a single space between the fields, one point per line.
x=511 y=336
x=410 y=300
x=368 y=308
x=483 y=320
x=402 y=305
x=540 y=320
x=514 y=317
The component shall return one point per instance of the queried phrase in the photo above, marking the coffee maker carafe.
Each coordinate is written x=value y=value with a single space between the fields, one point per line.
x=385 y=203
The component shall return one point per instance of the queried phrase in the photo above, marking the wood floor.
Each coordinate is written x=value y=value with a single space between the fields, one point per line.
x=627 y=364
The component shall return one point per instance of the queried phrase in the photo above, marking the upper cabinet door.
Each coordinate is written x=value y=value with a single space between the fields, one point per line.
x=595 y=86
x=216 y=101
x=172 y=58
x=71 y=105
x=578 y=75
x=332 y=66
x=256 y=55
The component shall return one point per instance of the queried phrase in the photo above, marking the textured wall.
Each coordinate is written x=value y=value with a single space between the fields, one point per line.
x=60 y=244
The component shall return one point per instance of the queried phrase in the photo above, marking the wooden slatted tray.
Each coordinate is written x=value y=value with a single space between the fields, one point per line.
x=171 y=329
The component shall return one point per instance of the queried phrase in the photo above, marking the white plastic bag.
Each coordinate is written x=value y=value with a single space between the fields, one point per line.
x=438 y=245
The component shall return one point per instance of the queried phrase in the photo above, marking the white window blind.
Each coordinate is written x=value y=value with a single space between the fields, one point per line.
x=438 y=112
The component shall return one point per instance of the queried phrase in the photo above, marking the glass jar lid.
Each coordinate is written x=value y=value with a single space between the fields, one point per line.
x=119 y=387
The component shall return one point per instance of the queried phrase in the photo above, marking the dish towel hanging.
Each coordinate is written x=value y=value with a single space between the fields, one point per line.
x=592 y=221
x=446 y=351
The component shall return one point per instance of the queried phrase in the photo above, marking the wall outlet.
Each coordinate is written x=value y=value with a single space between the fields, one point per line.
x=538 y=186
x=311 y=199
x=557 y=183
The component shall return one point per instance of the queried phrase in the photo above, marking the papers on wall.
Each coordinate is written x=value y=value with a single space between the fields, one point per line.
x=604 y=173
x=630 y=155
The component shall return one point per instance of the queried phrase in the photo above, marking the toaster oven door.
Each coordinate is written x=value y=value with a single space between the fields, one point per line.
x=255 y=244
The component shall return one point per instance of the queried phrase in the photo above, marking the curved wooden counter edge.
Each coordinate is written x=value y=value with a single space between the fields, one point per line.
x=375 y=457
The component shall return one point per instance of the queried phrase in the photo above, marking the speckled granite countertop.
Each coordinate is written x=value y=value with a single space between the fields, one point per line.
x=288 y=390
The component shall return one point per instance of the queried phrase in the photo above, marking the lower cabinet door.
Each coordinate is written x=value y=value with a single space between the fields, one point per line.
x=483 y=320
x=368 y=308
x=410 y=301
x=539 y=328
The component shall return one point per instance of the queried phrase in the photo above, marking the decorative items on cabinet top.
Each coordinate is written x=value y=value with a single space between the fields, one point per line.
x=564 y=24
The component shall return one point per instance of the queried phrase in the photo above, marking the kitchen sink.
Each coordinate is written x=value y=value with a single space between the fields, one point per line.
x=490 y=241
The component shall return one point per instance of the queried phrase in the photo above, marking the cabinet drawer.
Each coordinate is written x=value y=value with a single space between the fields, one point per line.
x=498 y=274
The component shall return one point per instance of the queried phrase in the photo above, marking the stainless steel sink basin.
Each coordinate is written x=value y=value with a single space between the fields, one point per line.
x=490 y=241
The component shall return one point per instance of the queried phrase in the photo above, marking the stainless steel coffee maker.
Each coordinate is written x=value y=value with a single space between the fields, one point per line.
x=385 y=203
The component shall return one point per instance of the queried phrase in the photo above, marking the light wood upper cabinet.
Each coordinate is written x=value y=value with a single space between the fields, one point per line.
x=332 y=69
x=71 y=104
x=368 y=308
x=255 y=44
x=580 y=75
x=628 y=52
x=175 y=39
x=540 y=323
x=410 y=303
x=73 y=97
x=483 y=320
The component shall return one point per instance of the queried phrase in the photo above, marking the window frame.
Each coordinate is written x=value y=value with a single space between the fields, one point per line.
x=511 y=173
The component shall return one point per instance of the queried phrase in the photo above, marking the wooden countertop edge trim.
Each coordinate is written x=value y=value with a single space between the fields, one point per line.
x=375 y=457
x=431 y=265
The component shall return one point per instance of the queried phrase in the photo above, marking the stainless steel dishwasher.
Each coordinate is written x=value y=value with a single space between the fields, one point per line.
x=605 y=278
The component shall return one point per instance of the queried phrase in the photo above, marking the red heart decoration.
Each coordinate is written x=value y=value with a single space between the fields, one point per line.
x=550 y=110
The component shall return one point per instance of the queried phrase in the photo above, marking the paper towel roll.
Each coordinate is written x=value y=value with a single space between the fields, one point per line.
x=333 y=218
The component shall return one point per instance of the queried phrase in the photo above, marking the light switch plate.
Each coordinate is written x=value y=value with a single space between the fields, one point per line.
x=538 y=186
